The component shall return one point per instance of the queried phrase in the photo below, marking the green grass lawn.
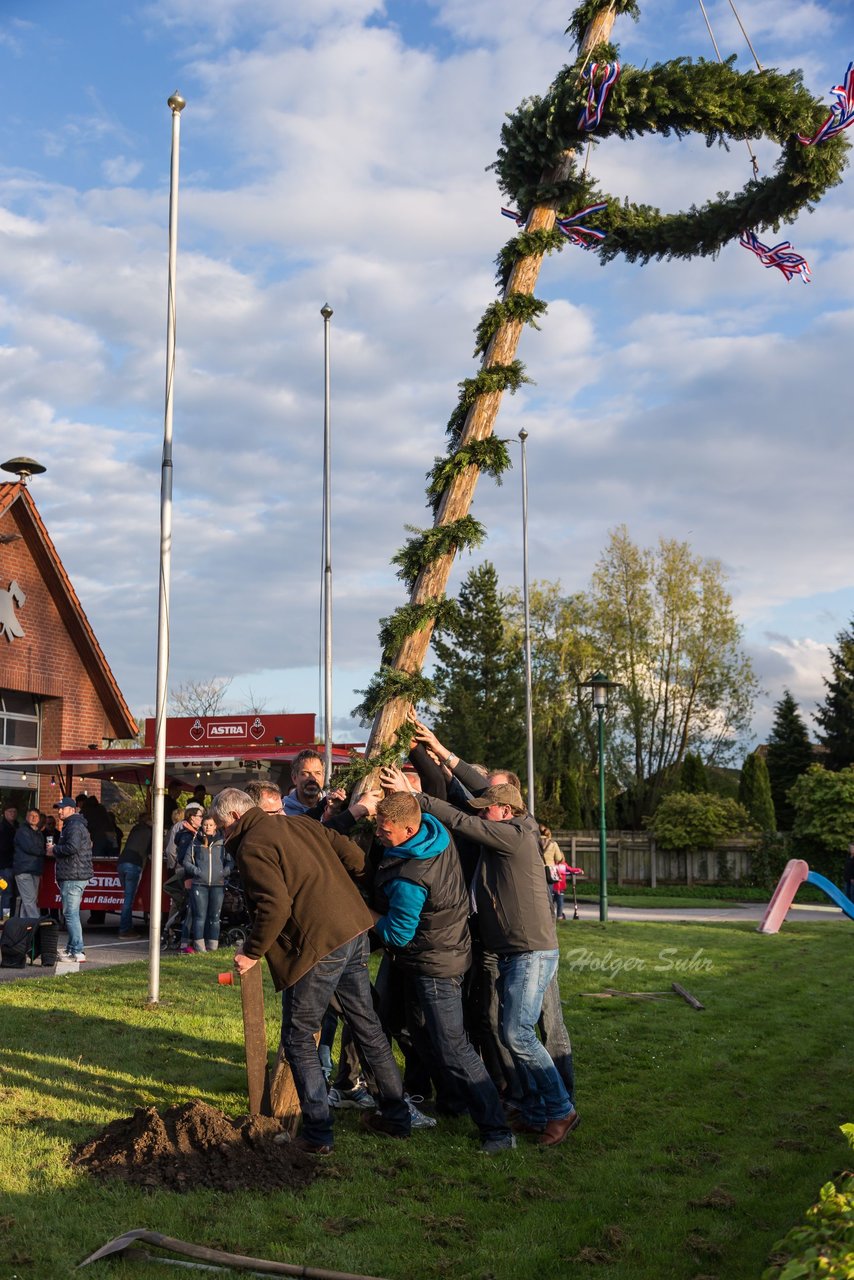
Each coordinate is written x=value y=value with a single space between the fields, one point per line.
x=704 y=1137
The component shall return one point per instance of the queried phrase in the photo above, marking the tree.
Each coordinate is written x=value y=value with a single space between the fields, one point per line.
x=754 y=792
x=199 y=697
x=684 y=821
x=824 y=817
x=789 y=756
x=836 y=714
x=565 y=734
x=664 y=626
x=479 y=680
x=693 y=777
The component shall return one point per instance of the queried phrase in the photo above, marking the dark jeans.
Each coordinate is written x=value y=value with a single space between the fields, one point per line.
x=343 y=972
x=130 y=874
x=440 y=1002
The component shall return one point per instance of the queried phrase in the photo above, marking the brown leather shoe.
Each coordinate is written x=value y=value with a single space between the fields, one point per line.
x=520 y=1126
x=556 y=1130
x=312 y=1148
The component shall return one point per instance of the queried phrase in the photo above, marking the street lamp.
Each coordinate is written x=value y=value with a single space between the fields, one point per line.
x=600 y=687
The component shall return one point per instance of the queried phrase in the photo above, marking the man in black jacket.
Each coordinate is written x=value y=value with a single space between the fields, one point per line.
x=515 y=921
x=73 y=853
x=29 y=864
x=422 y=918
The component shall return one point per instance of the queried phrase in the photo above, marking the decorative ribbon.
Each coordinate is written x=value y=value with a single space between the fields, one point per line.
x=517 y=217
x=782 y=256
x=591 y=115
x=841 y=113
x=576 y=234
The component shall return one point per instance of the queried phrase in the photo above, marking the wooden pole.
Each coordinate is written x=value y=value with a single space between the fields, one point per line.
x=456 y=501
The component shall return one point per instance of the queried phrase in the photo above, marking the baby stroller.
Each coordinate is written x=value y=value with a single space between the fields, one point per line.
x=170 y=935
x=235 y=918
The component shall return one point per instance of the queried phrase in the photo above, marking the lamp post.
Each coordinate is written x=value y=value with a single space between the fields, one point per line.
x=600 y=687
x=529 y=701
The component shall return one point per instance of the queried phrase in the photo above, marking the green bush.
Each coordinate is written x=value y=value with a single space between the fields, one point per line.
x=684 y=821
x=825 y=1246
x=824 y=818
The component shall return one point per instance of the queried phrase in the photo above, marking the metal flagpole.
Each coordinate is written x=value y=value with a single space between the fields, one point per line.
x=529 y=710
x=326 y=312
x=176 y=104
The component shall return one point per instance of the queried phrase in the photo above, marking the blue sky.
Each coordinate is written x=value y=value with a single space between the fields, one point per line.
x=336 y=151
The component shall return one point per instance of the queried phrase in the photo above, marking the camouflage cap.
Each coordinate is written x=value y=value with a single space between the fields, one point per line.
x=501 y=793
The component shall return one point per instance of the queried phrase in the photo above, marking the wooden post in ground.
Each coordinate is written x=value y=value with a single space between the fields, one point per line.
x=432 y=581
x=255 y=1038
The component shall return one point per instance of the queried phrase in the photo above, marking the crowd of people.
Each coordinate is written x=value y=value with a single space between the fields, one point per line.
x=458 y=886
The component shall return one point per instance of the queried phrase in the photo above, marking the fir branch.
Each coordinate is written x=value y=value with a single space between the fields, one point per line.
x=676 y=97
x=409 y=618
x=387 y=684
x=523 y=308
x=497 y=377
x=526 y=244
x=489 y=455
x=589 y=9
x=432 y=544
x=360 y=766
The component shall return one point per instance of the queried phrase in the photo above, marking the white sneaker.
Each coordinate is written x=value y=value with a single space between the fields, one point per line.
x=81 y=956
x=358 y=1098
x=419 y=1120
x=66 y=955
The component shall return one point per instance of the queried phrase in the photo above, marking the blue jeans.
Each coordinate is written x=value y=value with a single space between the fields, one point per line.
x=441 y=1003
x=344 y=972
x=71 y=891
x=206 y=901
x=130 y=874
x=523 y=980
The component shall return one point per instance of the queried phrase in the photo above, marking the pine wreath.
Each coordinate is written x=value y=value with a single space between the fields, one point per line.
x=676 y=97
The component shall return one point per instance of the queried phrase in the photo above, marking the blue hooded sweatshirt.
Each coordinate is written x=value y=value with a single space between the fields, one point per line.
x=406 y=900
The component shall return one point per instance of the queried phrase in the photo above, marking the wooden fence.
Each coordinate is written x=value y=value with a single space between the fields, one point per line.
x=634 y=859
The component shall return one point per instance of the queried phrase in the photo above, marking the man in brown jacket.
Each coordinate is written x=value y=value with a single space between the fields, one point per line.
x=311 y=924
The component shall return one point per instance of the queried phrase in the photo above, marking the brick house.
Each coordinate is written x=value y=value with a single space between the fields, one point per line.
x=57 y=692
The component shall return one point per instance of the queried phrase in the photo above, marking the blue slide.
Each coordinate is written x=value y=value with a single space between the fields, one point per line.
x=835 y=895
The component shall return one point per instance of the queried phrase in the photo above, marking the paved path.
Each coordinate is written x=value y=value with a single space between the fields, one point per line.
x=751 y=911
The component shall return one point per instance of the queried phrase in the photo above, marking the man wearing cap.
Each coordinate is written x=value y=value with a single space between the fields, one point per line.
x=515 y=921
x=73 y=853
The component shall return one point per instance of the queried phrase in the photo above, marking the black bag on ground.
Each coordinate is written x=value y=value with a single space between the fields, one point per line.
x=16 y=943
x=46 y=941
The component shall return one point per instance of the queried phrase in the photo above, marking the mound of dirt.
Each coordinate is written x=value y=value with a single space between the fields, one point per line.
x=193 y=1146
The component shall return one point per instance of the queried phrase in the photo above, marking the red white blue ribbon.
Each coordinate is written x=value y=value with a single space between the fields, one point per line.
x=841 y=113
x=517 y=217
x=591 y=115
x=584 y=237
x=782 y=256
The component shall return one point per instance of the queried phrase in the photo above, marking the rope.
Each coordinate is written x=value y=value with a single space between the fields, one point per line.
x=746 y=36
x=754 y=162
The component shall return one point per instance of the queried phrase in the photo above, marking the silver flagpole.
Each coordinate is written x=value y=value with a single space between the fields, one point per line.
x=529 y=712
x=176 y=104
x=326 y=312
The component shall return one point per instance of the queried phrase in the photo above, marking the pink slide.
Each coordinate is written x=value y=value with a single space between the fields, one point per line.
x=794 y=874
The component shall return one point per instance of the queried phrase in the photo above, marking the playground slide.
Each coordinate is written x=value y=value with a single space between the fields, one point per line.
x=795 y=873
x=835 y=894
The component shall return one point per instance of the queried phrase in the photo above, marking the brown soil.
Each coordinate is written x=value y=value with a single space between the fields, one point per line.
x=194 y=1146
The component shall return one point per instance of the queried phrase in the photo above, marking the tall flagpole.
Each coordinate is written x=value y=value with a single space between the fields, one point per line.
x=326 y=312
x=529 y=704
x=176 y=104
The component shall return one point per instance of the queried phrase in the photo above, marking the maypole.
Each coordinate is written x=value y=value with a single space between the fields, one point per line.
x=593 y=98
x=428 y=590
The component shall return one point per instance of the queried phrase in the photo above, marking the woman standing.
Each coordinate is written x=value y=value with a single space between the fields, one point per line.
x=207 y=865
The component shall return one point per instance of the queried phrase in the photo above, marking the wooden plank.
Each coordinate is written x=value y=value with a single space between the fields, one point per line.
x=255 y=1040
x=284 y=1100
x=686 y=995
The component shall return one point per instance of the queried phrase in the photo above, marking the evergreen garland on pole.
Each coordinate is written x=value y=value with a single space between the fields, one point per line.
x=538 y=169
